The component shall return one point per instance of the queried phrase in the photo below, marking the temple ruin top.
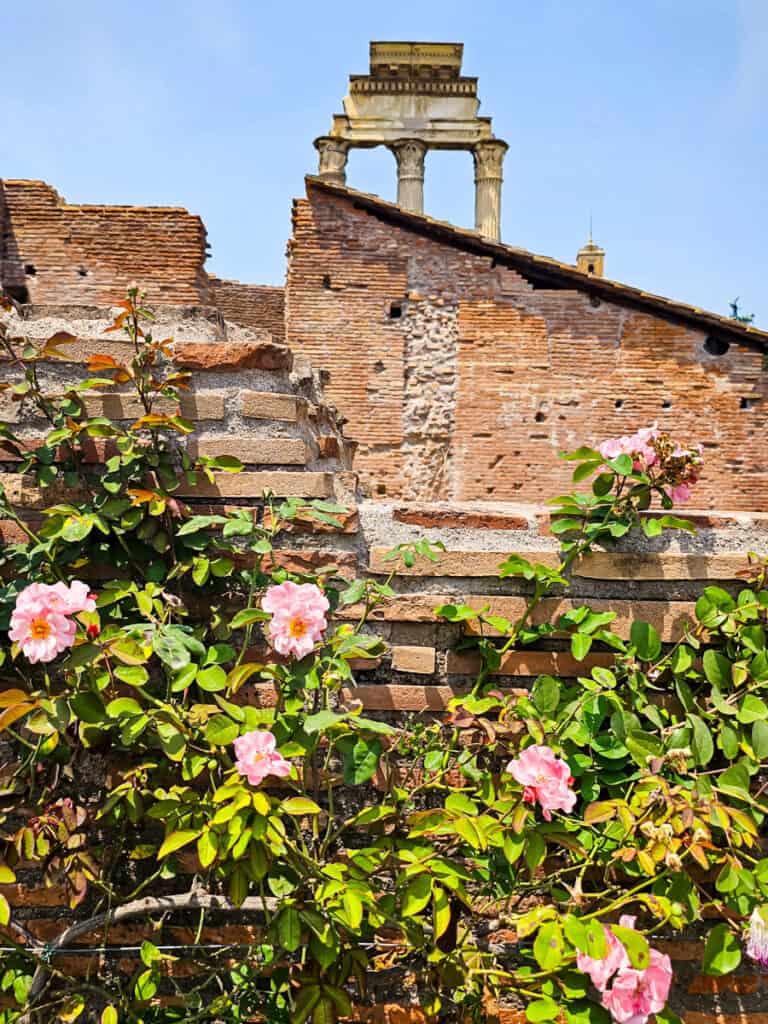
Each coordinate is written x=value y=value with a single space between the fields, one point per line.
x=413 y=99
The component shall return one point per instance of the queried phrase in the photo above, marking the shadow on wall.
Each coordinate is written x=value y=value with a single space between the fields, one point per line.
x=12 y=272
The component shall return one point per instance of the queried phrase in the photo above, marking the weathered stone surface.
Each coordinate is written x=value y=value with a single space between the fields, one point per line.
x=530 y=663
x=306 y=523
x=228 y=356
x=195 y=406
x=456 y=563
x=460 y=516
x=603 y=565
x=253 y=485
x=419 y=660
x=264 y=451
x=269 y=405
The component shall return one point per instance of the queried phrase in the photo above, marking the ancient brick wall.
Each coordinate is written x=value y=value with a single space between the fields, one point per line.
x=250 y=400
x=461 y=379
x=252 y=305
x=54 y=252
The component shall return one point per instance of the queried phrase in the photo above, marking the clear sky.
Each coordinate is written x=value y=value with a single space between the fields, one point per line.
x=652 y=114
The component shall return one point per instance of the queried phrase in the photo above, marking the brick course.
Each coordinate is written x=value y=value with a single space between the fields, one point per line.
x=462 y=380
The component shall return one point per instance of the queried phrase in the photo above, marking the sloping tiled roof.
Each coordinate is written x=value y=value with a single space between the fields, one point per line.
x=548 y=271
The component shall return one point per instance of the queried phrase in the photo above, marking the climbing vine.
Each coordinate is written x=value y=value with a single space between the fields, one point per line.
x=182 y=745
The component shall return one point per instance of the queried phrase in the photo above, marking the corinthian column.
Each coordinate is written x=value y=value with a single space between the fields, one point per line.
x=409 y=154
x=488 y=157
x=333 y=159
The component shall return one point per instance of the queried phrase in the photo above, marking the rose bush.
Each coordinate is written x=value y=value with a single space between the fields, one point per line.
x=593 y=816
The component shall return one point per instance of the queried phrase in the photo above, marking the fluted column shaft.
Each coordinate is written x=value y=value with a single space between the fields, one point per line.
x=489 y=159
x=410 y=154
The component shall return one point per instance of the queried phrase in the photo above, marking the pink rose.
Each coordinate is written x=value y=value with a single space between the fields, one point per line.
x=298 y=617
x=41 y=633
x=72 y=599
x=257 y=757
x=635 y=995
x=601 y=970
x=637 y=445
x=40 y=623
x=680 y=494
x=546 y=779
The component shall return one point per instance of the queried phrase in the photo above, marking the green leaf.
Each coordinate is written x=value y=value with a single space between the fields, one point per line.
x=289 y=928
x=360 y=758
x=717 y=669
x=134 y=675
x=321 y=721
x=722 y=952
x=635 y=944
x=542 y=1009
x=221 y=731
x=735 y=781
x=622 y=465
x=175 y=841
x=247 y=617
x=701 y=741
x=760 y=740
x=645 y=640
x=207 y=848
x=89 y=708
x=652 y=527
x=124 y=706
x=212 y=679
x=298 y=805
x=580 y=645
x=416 y=895
x=549 y=946
x=752 y=709
x=5 y=910
x=170 y=649
x=109 y=1015
x=546 y=693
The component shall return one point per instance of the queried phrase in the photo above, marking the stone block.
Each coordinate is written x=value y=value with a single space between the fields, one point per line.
x=269 y=405
x=220 y=357
x=261 y=451
x=419 y=660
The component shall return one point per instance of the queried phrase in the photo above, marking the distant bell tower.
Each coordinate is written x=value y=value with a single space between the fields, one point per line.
x=414 y=99
x=591 y=259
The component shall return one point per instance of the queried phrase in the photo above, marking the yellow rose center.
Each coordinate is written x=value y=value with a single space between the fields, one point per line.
x=297 y=627
x=39 y=629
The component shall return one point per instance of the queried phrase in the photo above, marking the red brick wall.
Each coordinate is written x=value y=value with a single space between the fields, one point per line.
x=252 y=305
x=88 y=254
x=535 y=370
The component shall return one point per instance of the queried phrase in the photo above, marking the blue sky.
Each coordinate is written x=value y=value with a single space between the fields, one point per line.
x=652 y=114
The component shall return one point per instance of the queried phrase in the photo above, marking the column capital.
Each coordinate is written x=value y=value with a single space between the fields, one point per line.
x=410 y=154
x=333 y=159
x=489 y=159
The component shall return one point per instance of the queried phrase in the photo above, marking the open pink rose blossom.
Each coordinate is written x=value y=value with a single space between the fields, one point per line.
x=257 y=757
x=40 y=622
x=635 y=995
x=298 y=617
x=637 y=445
x=601 y=970
x=546 y=779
